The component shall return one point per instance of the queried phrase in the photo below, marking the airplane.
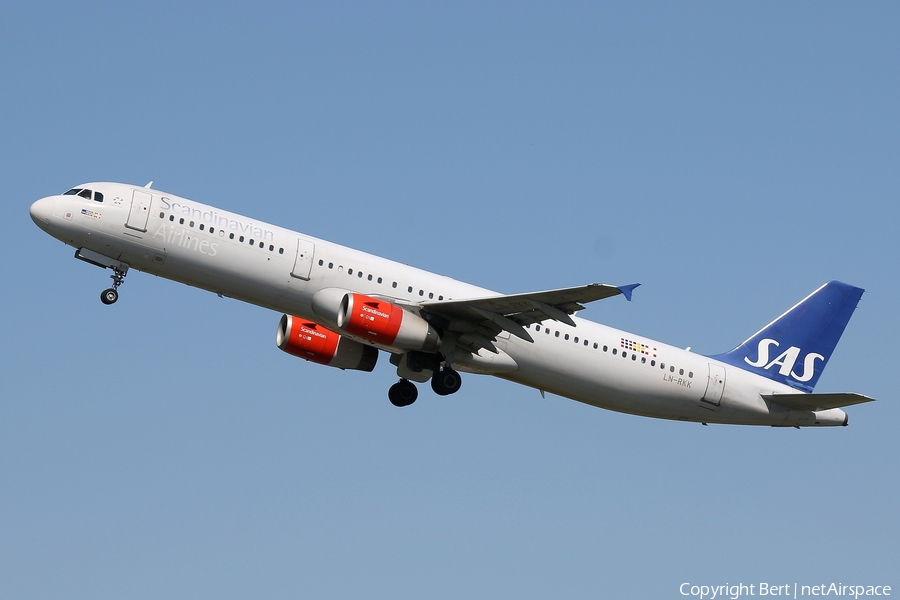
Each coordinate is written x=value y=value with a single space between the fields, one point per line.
x=342 y=307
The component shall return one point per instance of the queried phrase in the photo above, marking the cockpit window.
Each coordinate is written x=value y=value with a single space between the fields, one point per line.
x=83 y=193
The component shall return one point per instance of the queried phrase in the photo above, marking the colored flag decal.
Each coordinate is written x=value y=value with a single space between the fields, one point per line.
x=638 y=347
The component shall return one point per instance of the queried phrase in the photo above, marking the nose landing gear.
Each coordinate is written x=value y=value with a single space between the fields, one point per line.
x=110 y=295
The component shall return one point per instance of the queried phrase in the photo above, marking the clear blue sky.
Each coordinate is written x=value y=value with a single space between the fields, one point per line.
x=731 y=157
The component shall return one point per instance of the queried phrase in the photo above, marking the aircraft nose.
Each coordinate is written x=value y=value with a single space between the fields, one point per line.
x=41 y=212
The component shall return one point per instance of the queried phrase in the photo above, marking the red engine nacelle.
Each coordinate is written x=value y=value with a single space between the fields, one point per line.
x=315 y=343
x=384 y=323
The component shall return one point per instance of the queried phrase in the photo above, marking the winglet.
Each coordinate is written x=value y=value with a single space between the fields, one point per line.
x=627 y=290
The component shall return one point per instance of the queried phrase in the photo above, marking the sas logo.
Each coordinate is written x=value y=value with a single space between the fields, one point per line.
x=785 y=361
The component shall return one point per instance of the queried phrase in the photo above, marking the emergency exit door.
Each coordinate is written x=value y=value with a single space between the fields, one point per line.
x=303 y=263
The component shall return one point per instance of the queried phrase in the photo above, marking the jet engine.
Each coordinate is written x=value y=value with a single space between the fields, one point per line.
x=379 y=321
x=315 y=343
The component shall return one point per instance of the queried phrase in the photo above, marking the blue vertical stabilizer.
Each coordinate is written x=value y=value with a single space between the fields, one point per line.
x=794 y=348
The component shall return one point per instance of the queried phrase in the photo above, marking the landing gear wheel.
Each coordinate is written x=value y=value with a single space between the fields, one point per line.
x=446 y=382
x=109 y=296
x=403 y=393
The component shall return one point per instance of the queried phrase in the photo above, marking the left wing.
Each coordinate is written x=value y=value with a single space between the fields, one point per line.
x=476 y=322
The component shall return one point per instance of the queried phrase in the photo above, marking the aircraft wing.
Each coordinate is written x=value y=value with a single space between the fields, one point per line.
x=476 y=322
x=817 y=401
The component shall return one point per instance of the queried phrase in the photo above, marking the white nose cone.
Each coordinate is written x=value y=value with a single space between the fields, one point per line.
x=41 y=211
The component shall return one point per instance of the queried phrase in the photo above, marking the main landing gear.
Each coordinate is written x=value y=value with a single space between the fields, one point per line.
x=110 y=295
x=444 y=382
x=403 y=393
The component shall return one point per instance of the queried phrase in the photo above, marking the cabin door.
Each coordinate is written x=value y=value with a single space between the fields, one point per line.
x=140 y=211
x=716 y=384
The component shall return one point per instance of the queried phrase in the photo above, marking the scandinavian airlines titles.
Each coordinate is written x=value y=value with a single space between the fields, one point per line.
x=785 y=360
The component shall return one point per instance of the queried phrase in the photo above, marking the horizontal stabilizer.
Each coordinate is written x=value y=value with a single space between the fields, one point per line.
x=817 y=401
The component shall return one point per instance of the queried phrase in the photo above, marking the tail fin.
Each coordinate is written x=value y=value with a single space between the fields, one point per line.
x=794 y=348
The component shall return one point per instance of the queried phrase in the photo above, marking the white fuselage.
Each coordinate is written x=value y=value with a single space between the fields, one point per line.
x=281 y=270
